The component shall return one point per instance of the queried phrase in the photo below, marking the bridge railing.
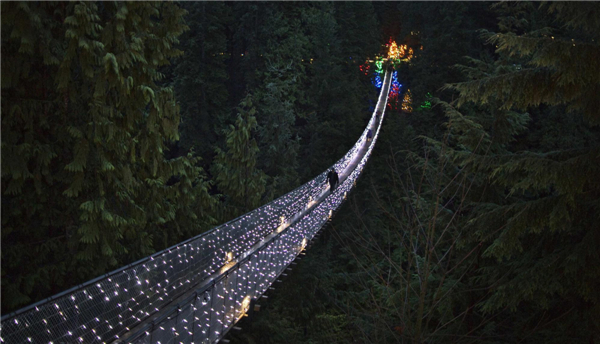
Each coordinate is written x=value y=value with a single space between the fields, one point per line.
x=103 y=309
x=211 y=311
x=208 y=314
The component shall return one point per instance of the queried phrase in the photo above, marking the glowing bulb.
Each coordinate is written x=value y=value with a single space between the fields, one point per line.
x=393 y=53
x=407 y=102
x=258 y=267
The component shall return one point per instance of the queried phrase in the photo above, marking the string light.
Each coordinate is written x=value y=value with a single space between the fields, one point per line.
x=365 y=68
x=233 y=263
x=399 y=51
x=426 y=104
x=393 y=53
x=379 y=65
x=394 y=91
x=377 y=81
x=407 y=102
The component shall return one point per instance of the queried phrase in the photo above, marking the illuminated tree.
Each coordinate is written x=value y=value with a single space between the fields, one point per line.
x=407 y=102
x=393 y=53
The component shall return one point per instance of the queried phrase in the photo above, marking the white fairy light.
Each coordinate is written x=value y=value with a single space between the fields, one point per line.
x=258 y=246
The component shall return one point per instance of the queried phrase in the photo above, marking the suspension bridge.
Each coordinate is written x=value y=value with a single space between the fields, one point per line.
x=197 y=290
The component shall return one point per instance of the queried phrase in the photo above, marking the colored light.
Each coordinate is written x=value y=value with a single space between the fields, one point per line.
x=393 y=53
x=251 y=248
x=377 y=81
x=407 y=102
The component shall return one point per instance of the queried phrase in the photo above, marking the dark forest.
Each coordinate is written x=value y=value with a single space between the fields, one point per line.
x=128 y=127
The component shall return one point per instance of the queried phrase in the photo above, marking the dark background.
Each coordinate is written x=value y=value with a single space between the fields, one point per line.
x=129 y=127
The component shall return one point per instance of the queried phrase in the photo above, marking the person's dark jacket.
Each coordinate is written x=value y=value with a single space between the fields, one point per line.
x=333 y=178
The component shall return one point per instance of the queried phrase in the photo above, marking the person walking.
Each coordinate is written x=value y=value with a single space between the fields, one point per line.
x=333 y=179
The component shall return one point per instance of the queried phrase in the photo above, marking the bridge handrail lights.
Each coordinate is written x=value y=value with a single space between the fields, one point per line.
x=105 y=308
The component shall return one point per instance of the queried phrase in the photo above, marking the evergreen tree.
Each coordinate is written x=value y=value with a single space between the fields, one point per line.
x=536 y=214
x=268 y=45
x=447 y=32
x=337 y=106
x=235 y=171
x=485 y=230
x=357 y=38
x=200 y=75
x=84 y=132
x=279 y=94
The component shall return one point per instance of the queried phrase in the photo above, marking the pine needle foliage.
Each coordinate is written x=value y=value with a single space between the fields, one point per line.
x=200 y=76
x=235 y=170
x=85 y=125
x=560 y=64
x=535 y=212
x=483 y=229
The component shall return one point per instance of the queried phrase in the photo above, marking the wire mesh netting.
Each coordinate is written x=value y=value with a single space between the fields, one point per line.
x=222 y=270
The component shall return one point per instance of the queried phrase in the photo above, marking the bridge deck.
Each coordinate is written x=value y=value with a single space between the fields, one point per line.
x=197 y=290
